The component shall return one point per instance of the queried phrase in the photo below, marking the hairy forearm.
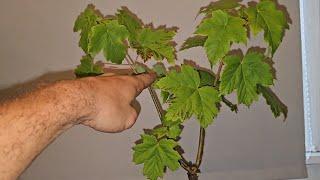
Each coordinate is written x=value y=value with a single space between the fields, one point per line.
x=31 y=122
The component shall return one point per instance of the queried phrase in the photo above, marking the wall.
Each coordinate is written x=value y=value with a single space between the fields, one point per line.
x=36 y=38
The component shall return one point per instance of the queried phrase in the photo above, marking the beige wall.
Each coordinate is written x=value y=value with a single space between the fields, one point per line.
x=36 y=38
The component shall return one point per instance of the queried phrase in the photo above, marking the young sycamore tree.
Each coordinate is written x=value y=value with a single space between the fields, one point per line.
x=188 y=91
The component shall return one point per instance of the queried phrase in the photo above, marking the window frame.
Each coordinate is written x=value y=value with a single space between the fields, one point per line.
x=310 y=44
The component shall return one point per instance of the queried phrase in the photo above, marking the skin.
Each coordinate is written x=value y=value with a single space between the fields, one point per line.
x=31 y=122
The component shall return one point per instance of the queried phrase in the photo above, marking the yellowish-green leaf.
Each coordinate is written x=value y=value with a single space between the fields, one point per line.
x=190 y=99
x=131 y=22
x=194 y=41
x=206 y=78
x=220 y=5
x=88 y=68
x=156 y=43
x=174 y=131
x=171 y=132
x=159 y=69
x=165 y=96
x=222 y=30
x=277 y=107
x=243 y=75
x=156 y=155
x=109 y=37
x=265 y=16
x=85 y=21
x=139 y=68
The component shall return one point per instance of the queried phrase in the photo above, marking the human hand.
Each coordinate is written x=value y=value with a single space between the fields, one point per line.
x=112 y=98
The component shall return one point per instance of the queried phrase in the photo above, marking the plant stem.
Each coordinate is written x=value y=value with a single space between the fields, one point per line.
x=153 y=94
x=202 y=137
x=218 y=74
x=156 y=102
x=183 y=162
x=202 y=133
x=192 y=176
x=232 y=106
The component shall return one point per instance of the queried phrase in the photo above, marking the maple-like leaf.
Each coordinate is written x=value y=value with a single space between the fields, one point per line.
x=277 y=107
x=85 y=21
x=131 y=22
x=159 y=69
x=174 y=131
x=206 y=78
x=87 y=68
x=140 y=68
x=243 y=75
x=156 y=43
x=194 y=41
x=160 y=132
x=156 y=155
x=265 y=16
x=171 y=132
x=165 y=96
x=109 y=37
x=219 y=5
x=222 y=30
x=190 y=98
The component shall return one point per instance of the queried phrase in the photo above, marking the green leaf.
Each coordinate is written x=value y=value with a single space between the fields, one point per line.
x=222 y=30
x=131 y=22
x=165 y=96
x=194 y=41
x=160 y=69
x=109 y=37
x=174 y=131
x=190 y=98
x=244 y=75
x=265 y=16
x=219 y=5
x=277 y=107
x=156 y=155
x=139 y=68
x=156 y=43
x=85 y=21
x=171 y=132
x=160 y=132
x=206 y=78
x=88 y=68
x=153 y=168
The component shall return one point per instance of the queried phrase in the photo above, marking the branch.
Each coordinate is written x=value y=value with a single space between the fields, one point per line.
x=185 y=164
x=153 y=94
x=232 y=106
x=188 y=166
x=202 y=134
x=218 y=74
x=200 y=147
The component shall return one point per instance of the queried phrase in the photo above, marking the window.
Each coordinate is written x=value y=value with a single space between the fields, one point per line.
x=310 y=37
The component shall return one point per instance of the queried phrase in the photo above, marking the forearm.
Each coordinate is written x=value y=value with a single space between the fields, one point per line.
x=28 y=124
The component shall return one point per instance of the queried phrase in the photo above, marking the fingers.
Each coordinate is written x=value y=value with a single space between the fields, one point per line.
x=108 y=74
x=136 y=105
x=132 y=118
x=143 y=81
